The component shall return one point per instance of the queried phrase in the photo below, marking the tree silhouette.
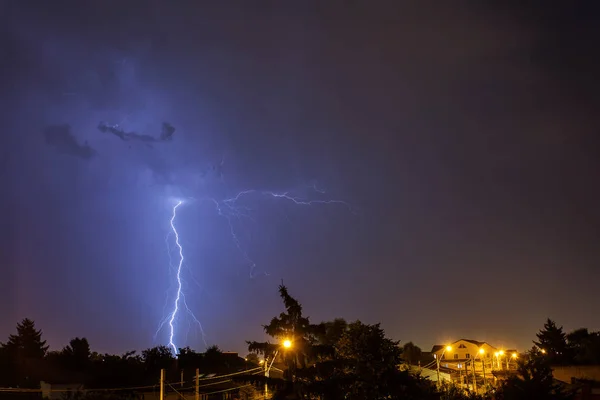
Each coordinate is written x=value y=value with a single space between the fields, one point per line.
x=411 y=353
x=335 y=360
x=585 y=346
x=188 y=359
x=290 y=325
x=120 y=370
x=77 y=354
x=157 y=358
x=370 y=359
x=22 y=352
x=553 y=342
x=27 y=343
x=533 y=381
x=213 y=358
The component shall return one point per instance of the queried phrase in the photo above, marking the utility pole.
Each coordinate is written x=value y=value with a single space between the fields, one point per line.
x=162 y=384
x=483 y=365
x=474 y=376
x=181 y=379
x=265 y=361
x=197 y=397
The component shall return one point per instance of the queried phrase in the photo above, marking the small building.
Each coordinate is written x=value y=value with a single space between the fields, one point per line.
x=60 y=391
x=472 y=356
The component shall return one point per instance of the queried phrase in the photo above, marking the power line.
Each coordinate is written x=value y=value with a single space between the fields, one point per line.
x=252 y=371
x=23 y=390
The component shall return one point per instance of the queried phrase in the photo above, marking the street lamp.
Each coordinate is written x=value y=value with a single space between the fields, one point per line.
x=498 y=356
x=287 y=343
x=482 y=352
x=447 y=348
x=512 y=356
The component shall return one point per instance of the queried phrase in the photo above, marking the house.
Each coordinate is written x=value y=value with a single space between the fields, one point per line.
x=471 y=355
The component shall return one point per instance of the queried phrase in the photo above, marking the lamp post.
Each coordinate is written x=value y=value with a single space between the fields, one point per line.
x=482 y=352
x=447 y=348
x=498 y=356
x=286 y=345
x=512 y=356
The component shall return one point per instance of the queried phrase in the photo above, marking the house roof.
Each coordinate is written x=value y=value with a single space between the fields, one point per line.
x=477 y=343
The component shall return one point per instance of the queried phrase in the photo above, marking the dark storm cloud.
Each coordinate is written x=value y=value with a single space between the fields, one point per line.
x=62 y=140
x=166 y=133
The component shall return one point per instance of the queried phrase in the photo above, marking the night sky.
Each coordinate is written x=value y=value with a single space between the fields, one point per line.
x=464 y=135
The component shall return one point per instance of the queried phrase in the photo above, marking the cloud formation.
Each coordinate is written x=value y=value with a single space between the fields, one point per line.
x=61 y=138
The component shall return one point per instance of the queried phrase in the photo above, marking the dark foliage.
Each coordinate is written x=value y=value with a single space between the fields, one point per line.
x=335 y=360
x=21 y=353
x=553 y=341
x=77 y=354
x=411 y=353
x=533 y=381
x=27 y=343
x=584 y=346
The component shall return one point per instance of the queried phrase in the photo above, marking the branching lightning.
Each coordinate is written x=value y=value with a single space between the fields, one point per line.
x=229 y=209
x=179 y=300
x=178 y=295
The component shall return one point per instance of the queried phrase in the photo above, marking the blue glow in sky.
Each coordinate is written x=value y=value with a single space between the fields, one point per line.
x=462 y=141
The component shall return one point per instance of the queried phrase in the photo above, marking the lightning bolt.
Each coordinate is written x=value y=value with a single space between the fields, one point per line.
x=231 y=208
x=179 y=294
x=179 y=285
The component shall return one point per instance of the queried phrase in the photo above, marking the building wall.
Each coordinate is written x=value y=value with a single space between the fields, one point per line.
x=565 y=373
x=59 y=392
x=464 y=350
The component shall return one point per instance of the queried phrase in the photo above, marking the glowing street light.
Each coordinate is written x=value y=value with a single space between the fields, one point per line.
x=447 y=348
x=498 y=355
x=482 y=352
x=286 y=344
